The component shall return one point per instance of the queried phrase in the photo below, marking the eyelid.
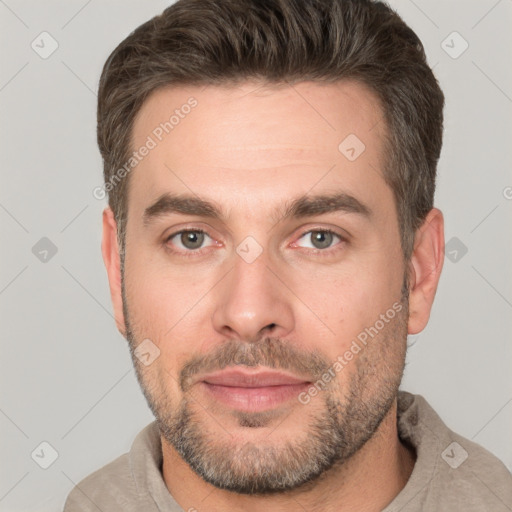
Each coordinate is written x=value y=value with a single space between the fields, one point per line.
x=200 y=227
x=184 y=230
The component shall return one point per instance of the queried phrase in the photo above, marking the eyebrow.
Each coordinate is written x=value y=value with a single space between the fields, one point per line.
x=300 y=207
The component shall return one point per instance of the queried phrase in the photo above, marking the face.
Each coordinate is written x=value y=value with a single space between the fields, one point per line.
x=263 y=264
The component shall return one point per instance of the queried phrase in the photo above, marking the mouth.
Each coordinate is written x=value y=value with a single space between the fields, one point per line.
x=253 y=391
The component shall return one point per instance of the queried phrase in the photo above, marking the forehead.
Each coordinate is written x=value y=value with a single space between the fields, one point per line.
x=228 y=142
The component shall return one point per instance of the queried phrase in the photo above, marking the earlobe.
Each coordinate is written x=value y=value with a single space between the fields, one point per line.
x=111 y=258
x=426 y=264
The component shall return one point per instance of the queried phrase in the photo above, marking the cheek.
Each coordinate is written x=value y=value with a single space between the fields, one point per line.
x=351 y=302
x=164 y=308
x=157 y=298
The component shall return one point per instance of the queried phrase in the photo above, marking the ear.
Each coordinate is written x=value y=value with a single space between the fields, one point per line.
x=425 y=269
x=111 y=258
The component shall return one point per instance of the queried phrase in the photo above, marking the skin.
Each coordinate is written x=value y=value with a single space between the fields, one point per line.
x=250 y=149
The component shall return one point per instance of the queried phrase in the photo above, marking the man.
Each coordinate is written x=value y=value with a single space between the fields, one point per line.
x=270 y=241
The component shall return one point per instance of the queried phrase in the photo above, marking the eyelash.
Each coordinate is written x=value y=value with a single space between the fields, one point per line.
x=198 y=252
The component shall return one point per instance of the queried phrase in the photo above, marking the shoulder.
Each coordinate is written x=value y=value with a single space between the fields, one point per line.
x=450 y=470
x=110 y=487
x=117 y=486
x=472 y=475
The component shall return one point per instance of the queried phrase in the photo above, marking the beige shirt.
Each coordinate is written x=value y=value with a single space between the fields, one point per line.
x=451 y=473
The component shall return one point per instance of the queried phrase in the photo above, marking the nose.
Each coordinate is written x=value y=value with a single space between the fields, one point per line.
x=252 y=302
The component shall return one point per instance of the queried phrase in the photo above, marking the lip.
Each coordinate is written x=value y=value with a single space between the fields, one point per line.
x=255 y=379
x=253 y=391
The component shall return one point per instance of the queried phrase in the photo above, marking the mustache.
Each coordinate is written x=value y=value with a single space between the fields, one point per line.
x=269 y=352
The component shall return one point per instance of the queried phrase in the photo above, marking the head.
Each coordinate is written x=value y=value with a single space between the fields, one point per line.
x=271 y=173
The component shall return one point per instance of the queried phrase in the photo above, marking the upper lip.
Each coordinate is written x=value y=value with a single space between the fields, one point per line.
x=255 y=379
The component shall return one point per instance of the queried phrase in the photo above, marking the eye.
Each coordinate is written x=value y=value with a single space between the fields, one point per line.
x=320 y=238
x=188 y=240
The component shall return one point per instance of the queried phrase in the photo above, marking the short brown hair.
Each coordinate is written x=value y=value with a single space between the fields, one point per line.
x=215 y=42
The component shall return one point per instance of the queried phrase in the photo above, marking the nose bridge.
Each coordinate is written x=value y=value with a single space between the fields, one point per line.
x=251 y=298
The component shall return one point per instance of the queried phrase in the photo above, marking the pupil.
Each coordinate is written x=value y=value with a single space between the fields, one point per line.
x=322 y=239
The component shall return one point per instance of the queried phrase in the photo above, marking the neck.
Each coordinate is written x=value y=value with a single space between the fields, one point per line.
x=367 y=482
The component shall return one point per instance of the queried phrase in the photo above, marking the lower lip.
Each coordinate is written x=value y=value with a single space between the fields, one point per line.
x=255 y=399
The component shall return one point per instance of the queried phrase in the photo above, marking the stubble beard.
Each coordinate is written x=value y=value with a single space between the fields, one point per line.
x=347 y=419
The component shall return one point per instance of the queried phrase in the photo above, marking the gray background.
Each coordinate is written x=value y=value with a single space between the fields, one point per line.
x=66 y=377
